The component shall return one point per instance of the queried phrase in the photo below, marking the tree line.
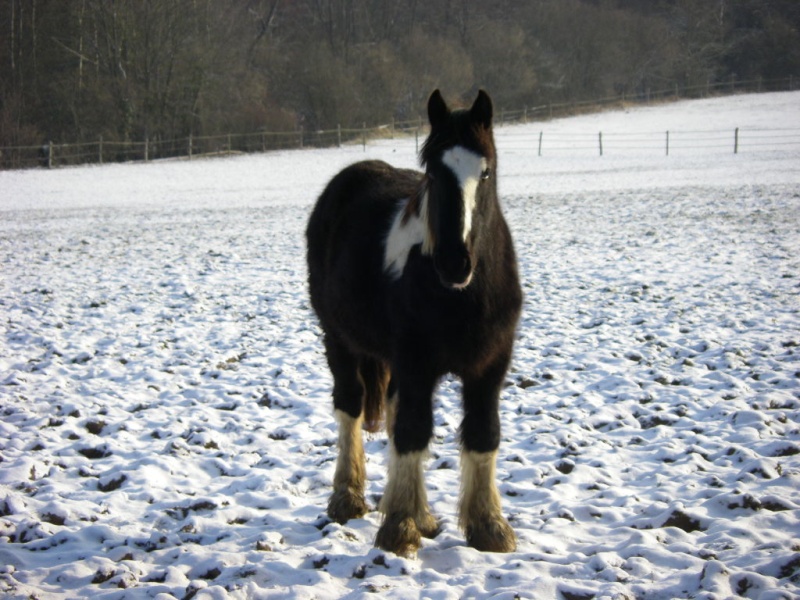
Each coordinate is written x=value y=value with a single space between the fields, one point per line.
x=161 y=69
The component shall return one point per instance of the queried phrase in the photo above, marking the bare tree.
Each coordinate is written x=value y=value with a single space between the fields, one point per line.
x=162 y=69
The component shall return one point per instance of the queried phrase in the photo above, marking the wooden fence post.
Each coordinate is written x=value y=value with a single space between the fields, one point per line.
x=600 y=139
x=49 y=155
x=667 y=142
x=541 y=133
x=736 y=141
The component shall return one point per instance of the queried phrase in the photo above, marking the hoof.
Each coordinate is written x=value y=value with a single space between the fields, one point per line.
x=399 y=535
x=492 y=536
x=345 y=505
x=428 y=526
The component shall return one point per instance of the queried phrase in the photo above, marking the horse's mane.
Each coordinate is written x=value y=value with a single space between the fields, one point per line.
x=414 y=204
x=458 y=130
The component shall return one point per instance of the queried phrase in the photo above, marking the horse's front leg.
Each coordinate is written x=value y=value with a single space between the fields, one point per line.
x=407 y=516
x=480 y=513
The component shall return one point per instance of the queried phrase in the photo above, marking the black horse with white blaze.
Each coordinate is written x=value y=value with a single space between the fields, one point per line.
x=413 y=276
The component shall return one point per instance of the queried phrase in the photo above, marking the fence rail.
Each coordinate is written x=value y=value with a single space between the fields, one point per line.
x=104 y=151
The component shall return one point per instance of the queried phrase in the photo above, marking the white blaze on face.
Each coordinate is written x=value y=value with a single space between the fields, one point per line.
x=467 y=167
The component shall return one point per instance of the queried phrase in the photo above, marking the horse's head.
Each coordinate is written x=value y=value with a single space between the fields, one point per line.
x=459 y=160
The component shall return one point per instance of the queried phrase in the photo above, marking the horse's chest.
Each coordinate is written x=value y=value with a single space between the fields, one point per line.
x=457 y=329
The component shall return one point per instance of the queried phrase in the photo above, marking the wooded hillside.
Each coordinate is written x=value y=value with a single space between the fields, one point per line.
x=161 y=69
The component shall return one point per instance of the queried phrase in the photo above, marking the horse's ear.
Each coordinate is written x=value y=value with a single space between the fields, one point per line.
x=481 y=111
x=437 y=109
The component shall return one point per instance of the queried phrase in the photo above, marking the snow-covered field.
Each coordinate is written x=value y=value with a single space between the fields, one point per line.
x=166 y=429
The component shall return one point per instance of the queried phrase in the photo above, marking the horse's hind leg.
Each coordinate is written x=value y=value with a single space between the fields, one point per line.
x=347 y=501
x=375 y=379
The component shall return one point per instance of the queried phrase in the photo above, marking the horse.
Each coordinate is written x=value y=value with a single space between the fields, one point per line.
x=414 y=276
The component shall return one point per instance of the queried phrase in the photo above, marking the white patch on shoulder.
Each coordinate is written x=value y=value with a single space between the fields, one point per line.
x=404 y=236
x=467 y=167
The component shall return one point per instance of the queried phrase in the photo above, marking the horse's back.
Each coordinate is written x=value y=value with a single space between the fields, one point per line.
x=371 y=180
x=354 y=199
x=346 y=235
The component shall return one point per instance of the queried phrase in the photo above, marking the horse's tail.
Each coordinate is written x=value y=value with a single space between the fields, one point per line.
x=375 y=377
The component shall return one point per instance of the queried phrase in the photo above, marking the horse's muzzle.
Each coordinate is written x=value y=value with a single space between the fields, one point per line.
x=454 y=267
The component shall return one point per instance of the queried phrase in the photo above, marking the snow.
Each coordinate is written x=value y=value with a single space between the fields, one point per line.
x=167 y=429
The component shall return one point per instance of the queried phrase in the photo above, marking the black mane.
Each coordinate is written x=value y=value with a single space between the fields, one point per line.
x=459 y=130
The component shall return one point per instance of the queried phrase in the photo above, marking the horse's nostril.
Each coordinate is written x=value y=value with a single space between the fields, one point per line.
x=466 y=267
x=454 y=267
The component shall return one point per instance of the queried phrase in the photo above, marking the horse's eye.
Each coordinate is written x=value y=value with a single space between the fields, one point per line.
x=486 y=173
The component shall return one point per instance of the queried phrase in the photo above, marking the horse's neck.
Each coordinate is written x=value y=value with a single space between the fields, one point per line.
x=493 y=233
x=417 y=208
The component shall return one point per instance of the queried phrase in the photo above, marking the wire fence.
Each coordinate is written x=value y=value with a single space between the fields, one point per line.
x=51 y=154
x=664 y=142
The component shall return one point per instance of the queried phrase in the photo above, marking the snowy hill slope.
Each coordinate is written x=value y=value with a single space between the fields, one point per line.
x=165 y=420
